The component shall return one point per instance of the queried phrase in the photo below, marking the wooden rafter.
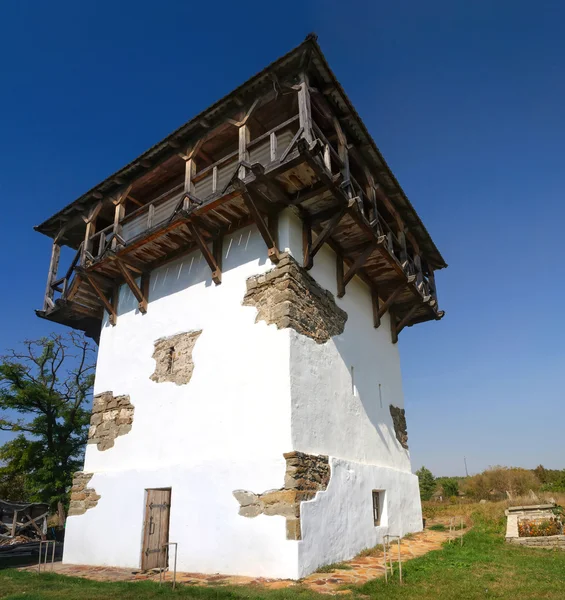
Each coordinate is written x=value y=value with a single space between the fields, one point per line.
x=132 y=264
x=247 y=195
x=375 y=302
x=406 y=319
x=208 y=255
x=339 y=275
x=306 y=238
x=93 y=283
x=393 y=327
x=390 y=300
x=324 y=235
x=132 y=284
x=357 y=264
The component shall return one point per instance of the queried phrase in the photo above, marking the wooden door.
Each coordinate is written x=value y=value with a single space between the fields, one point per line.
x=156 y=529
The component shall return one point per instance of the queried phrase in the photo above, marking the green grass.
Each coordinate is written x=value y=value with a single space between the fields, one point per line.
x=438 y=527
x=484 y=567
x=334 y=567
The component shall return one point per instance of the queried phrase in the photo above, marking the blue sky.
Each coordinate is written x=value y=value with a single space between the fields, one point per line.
x=466 y=102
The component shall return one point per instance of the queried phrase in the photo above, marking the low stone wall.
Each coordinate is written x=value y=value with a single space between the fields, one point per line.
x=547 y=541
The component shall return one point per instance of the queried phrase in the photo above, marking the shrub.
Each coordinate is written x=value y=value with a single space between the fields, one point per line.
x=500 y=482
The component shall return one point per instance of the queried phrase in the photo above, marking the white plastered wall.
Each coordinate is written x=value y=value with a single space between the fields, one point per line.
x=256 y=393
x=225 y=430
x=341 y=392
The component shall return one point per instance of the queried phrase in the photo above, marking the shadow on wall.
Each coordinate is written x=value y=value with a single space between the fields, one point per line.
x=240 y=248
x=355 y=376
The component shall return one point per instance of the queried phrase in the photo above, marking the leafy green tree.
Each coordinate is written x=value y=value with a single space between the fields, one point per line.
x=13 y=486
x=427 y=483
x=450 y=487
x=49 y=384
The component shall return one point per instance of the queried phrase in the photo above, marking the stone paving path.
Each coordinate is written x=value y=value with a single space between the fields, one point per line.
x=359 y=570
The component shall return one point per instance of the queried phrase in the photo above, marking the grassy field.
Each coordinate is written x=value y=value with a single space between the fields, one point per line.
x=484 y=567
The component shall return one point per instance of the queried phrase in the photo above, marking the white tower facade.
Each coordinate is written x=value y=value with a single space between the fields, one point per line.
x=248 y=399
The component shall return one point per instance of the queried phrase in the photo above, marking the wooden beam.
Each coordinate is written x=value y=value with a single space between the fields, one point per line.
x=306 y=239
x=324 y=235
x=119 y=214
x=406 y=319
x=14 y=523
x=390 y=300
x=305 y=109
x=375 y=303
x=272 y=249
x=208 y=255
x=217 y=250
x=132 y=264
x=189 y=173
x=339 y=275
x=432 y=280
x=115 y=299
x=357 y=264
x=33 y=522
x=273 y=146
x=244 y=138
x=132 y=284
x=87 y=244
x=112 y=315
x=93 y=212
x=145 y=280
x=393 y=327
x=52 y=276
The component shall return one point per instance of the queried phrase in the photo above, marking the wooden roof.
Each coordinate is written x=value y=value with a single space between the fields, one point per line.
x=197 y=126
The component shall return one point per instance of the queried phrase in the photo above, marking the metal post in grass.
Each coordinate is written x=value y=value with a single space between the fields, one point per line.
x=162 y=571
x=399 y=562
x=384 y=558
x=461 y=531
x=45 y=544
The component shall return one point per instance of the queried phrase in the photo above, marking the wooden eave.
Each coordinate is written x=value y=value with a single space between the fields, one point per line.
x=194 y=129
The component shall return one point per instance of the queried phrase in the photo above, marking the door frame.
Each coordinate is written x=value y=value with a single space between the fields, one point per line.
x=145 y=521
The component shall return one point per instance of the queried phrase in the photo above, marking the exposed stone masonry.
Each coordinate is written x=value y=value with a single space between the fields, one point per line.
x=289 y=297
x=399 y=421
x=305 y=475
x=173 y=357
x=82 y=497
x=111 y=416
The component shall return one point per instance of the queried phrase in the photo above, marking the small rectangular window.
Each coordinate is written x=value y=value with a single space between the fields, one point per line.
x=377 y=508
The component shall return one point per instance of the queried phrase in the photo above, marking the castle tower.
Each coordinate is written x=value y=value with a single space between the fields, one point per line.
x=247 y=279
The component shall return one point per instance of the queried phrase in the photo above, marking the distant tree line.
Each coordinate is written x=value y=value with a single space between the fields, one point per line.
x=495 y=483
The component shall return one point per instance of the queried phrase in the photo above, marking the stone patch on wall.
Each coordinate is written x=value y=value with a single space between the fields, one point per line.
x=305 y=475
x=399 y=421
x=173 y=357
x=288 y=296
x=82 y=496
x=111 y=416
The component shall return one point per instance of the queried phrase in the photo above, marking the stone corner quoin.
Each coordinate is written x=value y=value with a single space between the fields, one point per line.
x=288 y=296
